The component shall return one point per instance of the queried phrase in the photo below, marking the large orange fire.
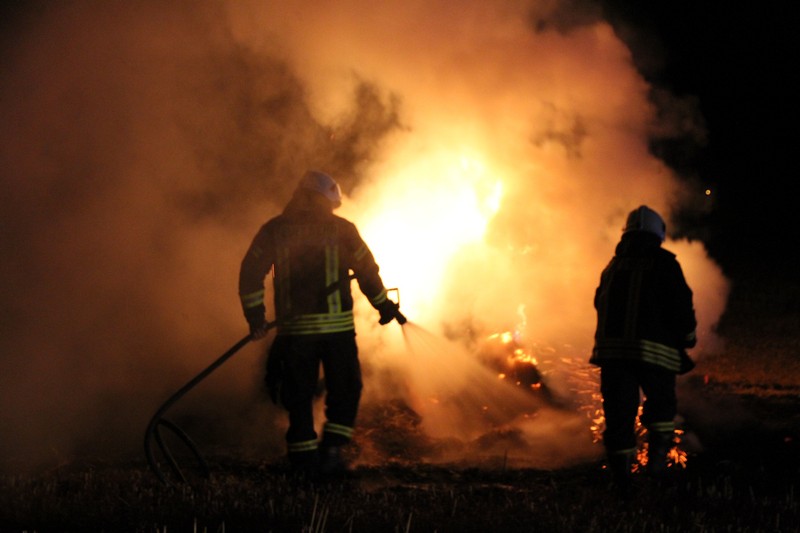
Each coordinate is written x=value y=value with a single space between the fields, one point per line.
x=436 y=223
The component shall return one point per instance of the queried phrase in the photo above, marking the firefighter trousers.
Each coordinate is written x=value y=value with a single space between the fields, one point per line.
x=301 y=357
x=620 y=386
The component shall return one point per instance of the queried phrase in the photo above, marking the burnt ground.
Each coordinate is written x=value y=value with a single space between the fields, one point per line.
x=740 y=409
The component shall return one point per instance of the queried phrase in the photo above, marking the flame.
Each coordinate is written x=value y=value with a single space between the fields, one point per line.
x=424 y=214
x=586 y=388
x=516 y=357
x=676 y=457
x=504 y=337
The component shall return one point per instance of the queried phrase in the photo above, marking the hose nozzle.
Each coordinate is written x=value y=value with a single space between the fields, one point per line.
x=400 y=317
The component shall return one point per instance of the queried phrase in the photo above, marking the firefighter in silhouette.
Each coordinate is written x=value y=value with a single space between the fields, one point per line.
x=313 y=255
x=645 y=323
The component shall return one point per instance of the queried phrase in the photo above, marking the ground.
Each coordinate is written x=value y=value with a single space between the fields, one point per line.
x=740 y=405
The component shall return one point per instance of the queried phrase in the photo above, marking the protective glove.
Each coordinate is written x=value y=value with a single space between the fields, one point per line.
x=256 y=321
x=389 y=311
x=274 y=377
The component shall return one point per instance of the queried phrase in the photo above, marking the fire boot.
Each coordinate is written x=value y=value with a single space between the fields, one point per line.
x=332 y=463
x=659 y=443
x=620 y=464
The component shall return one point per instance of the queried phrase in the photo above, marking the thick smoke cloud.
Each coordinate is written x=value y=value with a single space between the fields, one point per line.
x=488 y=155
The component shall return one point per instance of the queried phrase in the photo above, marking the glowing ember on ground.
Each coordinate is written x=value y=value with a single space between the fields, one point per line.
x=676 y=456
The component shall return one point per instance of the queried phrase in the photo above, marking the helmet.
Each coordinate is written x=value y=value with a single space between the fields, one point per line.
x=323 y=184
x=645 y=219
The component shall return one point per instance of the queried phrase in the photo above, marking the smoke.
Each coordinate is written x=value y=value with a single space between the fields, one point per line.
x=489 y=156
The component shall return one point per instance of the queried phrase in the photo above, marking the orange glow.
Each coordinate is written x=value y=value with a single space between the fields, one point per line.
x=424 y=215
x=504 y=337
x=489 y=168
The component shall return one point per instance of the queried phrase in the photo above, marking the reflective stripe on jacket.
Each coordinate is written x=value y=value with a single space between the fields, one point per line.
x=311 y=255
x=644 y=306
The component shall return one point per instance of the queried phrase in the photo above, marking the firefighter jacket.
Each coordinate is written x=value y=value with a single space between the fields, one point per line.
x=311 y=253
x=644 y=307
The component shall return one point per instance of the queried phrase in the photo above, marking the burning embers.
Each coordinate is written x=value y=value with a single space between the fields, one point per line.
x=503 y=353
x=519 y=367
x=676 y=457
x=494 y=399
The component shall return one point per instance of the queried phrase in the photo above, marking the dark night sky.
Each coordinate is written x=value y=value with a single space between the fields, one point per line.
x=737 y=58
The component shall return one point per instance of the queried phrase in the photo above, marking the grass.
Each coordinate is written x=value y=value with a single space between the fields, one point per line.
x=714 y=495
x=745 y=479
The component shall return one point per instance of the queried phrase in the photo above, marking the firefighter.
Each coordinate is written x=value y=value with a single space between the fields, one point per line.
x=311 y=253
x=645 y=323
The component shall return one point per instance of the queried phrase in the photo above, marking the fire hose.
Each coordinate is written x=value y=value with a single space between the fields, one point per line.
x=153 y=428
x=153 y=433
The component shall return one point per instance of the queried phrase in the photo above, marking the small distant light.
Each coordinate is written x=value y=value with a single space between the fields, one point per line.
x=708 y=192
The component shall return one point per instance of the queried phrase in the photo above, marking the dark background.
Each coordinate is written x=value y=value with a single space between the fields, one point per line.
x=738 y=60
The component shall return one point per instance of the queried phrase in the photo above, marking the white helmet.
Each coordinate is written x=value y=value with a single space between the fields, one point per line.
x=645 y=219
x=323 y=184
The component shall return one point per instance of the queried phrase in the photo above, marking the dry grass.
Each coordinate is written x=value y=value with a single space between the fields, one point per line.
x=761 y=328
x=745 y=479
x=716 y=494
